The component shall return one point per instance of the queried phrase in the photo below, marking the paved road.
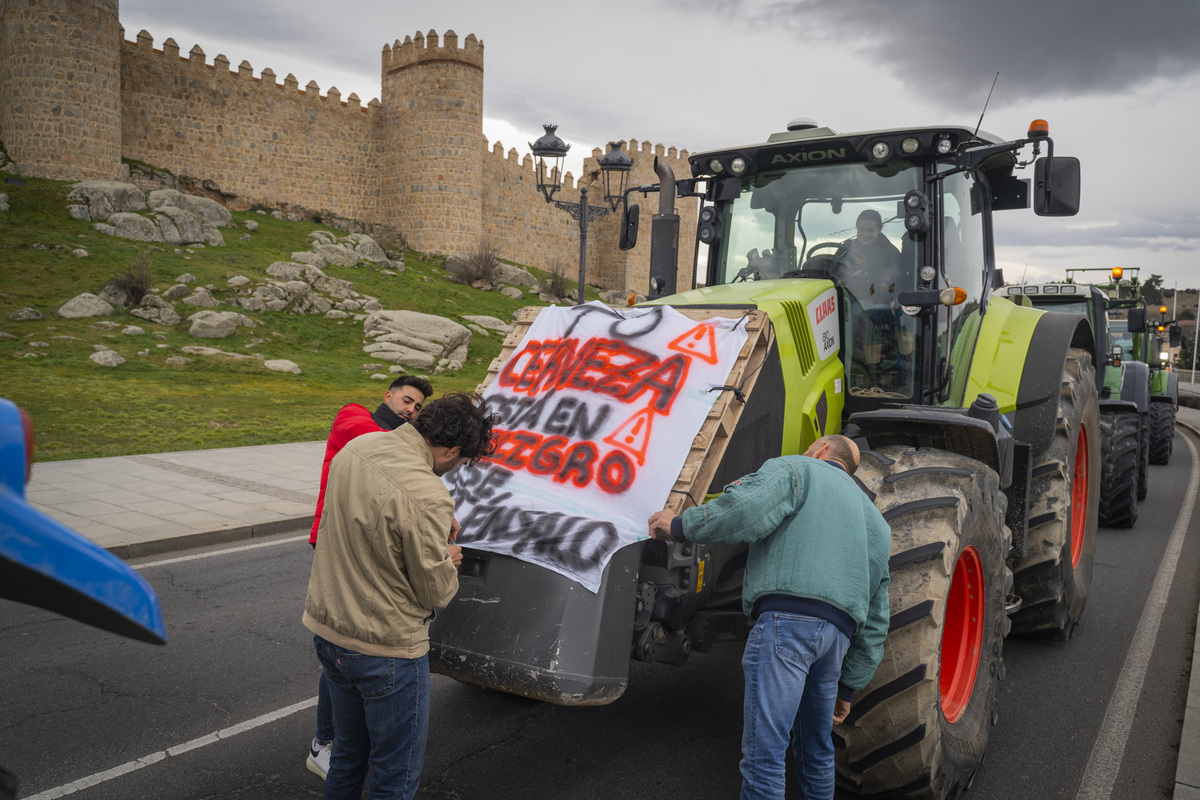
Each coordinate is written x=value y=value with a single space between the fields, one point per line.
x=225 y=710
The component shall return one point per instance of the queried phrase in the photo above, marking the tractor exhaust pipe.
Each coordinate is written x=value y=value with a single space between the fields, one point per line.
x=664 y=234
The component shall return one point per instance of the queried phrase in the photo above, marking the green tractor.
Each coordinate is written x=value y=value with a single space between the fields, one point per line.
x=1164 y=383
x=977 y=420
x=1123 y=380
x=1153 y=344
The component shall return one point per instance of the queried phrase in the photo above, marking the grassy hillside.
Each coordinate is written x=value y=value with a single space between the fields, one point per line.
x=83 y=410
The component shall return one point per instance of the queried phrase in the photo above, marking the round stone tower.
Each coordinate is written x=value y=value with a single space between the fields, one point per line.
x=60 y=87
x=433 y=139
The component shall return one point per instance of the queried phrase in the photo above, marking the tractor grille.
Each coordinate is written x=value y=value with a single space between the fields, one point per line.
x=797 y=318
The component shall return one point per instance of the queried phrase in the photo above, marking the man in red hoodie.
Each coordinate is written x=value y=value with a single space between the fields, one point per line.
x=401 y=402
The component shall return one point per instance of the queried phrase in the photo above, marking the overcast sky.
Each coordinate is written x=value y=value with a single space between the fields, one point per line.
x=1118 y=82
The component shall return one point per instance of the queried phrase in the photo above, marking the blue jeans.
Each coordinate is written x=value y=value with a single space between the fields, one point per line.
x=792 y=664
x=324 y=710
x=380 y=718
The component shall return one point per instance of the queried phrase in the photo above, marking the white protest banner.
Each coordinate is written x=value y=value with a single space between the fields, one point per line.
x=598 y=411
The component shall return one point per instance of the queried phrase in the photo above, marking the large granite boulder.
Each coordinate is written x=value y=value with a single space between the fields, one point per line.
x=99 y=200
x=107 y=358
x=419 y=341
x=490 y=323
x=366 y=247
x=212 y=212
x=179 y=226
x=85 y=305
x=26 y=314
x=155 y=309
x=513 y=276
x=217 y=324
x=338 y=255
x=128 y=225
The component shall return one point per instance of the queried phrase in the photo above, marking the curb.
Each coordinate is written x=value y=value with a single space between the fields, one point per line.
x=204 y=538
x=1187 y=768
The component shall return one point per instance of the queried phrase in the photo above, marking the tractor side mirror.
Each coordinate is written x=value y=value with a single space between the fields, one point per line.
x=629 y=227
x=1137 y=320
x=1056 y=186
x=1176 y=335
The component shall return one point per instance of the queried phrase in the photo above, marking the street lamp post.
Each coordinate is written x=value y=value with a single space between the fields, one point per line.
x=614 y=165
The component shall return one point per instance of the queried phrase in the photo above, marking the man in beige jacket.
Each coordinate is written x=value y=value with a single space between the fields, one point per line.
x=384 y=562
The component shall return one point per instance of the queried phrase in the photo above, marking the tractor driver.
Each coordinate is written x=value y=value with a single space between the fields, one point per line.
x=871 y=270
x=870 y=262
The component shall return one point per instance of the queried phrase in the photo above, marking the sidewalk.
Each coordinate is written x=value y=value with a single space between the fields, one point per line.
x=144 y=505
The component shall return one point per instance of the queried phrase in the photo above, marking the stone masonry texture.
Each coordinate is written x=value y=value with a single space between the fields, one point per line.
x=76 y=97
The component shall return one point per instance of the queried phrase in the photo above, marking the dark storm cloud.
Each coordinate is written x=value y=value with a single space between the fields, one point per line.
x=1040 y=48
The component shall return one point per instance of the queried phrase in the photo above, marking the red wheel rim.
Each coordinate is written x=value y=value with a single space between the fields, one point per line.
x=962 y=635
x=1079 y=497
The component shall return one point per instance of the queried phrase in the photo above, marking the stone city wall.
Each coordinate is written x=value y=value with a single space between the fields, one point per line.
x=76 y=98
x=524 y=228
x=266 y=142
x=60 y=86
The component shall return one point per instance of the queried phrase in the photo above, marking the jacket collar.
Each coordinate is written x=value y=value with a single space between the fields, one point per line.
x=386 y=418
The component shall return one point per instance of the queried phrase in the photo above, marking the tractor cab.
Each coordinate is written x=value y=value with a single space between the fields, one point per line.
x=898 y=221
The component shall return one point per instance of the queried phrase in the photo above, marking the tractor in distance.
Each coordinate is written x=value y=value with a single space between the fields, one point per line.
x=1156 y=345
x=1123 y=380
x=977 y=420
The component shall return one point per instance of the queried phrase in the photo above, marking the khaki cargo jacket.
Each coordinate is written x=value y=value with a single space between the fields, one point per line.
x=381 y=566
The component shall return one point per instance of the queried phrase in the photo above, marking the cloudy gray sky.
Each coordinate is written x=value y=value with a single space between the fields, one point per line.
x=1118 y=82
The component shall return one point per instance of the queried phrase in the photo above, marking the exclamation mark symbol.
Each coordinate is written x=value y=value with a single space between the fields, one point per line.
x=633 y=436
x=700 y=341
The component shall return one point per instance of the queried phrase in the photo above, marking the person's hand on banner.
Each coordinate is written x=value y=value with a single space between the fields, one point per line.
x=660 y=524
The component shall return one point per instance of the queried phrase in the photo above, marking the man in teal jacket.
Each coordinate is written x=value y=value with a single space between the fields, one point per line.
x=817 y=588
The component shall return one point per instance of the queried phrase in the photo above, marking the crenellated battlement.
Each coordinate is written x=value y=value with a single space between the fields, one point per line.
x=195 y=66
x=424 y=49
x=77 y=96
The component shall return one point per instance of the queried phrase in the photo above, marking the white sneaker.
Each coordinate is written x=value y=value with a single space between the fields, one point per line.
x=318 y=757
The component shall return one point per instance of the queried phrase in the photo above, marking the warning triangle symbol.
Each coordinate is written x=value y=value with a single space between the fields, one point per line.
x=633 y=435
x=700 y=341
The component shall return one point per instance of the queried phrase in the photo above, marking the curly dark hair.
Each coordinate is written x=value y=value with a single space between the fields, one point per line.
x=458 y=419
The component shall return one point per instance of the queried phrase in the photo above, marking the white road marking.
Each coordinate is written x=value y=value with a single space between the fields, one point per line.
x=238 y=549
x=179 y=749
x=1105 y=762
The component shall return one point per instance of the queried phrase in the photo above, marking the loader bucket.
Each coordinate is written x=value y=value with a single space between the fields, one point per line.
x=524 y=629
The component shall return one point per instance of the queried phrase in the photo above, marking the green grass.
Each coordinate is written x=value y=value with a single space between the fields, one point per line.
x=83 y=410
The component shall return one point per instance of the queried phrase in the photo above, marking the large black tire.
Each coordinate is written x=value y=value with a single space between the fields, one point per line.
x=1162 y=432
x=1119 y=462
x=1054 y=578
x=1143 y=455
x=919 y=729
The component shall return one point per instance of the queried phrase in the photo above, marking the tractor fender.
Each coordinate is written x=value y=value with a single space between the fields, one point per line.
x=1135 y=384
x=1019 y=359
x=1164 y=387
x=1171 y=391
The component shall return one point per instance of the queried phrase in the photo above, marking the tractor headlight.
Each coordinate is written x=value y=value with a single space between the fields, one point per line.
x=881 y=150
x=910 y=145
x=737 y=165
